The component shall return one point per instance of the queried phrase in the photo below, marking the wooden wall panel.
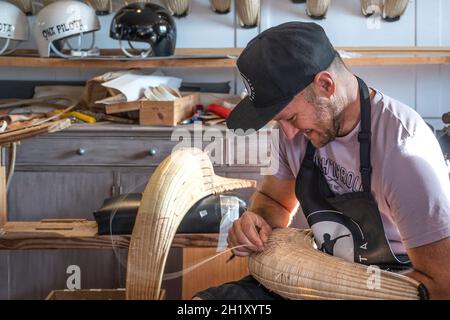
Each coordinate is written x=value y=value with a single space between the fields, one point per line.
x=4 y=275
x=37 y=195
x=211 y=274
x=33 y=274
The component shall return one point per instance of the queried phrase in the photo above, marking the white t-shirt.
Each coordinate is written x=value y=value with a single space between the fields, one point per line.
x=410 y=180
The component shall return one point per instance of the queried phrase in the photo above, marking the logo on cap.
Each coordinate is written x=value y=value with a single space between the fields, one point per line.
x=249 y=86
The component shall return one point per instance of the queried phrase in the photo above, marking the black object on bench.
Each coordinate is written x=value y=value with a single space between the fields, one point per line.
x=118 y=214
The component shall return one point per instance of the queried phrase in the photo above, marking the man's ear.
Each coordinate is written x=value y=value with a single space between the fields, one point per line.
x=324 y=84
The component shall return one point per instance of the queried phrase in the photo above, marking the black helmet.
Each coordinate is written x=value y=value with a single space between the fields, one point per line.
x=145 y=22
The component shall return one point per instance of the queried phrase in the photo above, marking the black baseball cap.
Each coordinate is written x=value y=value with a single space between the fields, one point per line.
x=275 y=66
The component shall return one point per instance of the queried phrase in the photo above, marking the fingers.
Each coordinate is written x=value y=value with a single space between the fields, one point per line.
x=251 y=231
x=232 y=242
x=250 y=234
x=264 y=229
x=242 y=235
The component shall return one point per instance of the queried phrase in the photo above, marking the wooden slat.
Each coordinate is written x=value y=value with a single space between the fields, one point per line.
x=3 y=199
x=78 y=234
x=48 y=127
x=403 y=50
x=386 y=61
x=216 y=58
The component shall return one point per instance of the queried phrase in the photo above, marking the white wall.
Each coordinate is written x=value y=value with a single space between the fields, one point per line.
x=425 y=23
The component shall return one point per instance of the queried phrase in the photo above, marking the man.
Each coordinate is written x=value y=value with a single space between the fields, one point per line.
x=364 y=167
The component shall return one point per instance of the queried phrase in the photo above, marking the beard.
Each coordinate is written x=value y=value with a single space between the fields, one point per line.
x=329 y=115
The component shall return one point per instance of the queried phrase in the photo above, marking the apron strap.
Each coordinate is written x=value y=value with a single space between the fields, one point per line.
x=310 y=151
x=364 y=136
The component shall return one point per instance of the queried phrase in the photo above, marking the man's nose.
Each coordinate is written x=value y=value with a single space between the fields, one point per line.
x=289 y=130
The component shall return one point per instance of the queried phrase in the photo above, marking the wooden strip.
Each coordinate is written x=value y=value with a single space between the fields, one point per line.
x=123 y=107
x=178 y=52
x=21 y=134
x=374 y=61
x=62 y=220
x=87 y=294
x=237 y=51
x=11 y=61
x=430 y=55
x=3 y=198
x=80 y=234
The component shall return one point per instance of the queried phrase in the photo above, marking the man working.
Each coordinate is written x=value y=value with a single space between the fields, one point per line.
x=364 y=167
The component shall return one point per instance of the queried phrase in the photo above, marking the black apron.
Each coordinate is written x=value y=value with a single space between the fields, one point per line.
x=347 y=225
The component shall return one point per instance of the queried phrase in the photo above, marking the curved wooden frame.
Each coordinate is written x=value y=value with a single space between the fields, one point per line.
x=178 y=183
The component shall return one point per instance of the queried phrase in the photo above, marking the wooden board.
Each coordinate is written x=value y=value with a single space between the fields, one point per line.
x=78 y=234
x=87 y=294
x=32 y=274
x=48 y=127
x=371 y=56
x=212 y=273
x=92 y=294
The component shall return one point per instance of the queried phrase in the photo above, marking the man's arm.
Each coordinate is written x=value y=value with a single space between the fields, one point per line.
x=431 y=265
x=417 y=190
x=275 y=201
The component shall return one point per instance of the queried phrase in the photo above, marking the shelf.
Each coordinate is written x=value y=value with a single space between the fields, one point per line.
x=184 y=58
x=378 y=56
x=79 y=234
x=226 y=58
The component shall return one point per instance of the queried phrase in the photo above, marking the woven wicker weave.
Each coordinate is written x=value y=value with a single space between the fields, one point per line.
x=178 y=8
x=101 y=7
x=220 y=6
x=294 y=269
x=369 y=7
x=317 y=9
x=394 y=9
x=248 y=12
x=25 y=5
x=177 y=184
x=47 y=2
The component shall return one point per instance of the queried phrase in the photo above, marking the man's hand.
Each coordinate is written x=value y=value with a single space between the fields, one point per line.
x=250 y=230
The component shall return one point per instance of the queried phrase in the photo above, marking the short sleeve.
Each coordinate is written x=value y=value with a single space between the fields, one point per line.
x=279 y=156
x=417 y=189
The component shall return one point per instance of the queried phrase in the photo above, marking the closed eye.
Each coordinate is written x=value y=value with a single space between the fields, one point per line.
x=292 y=118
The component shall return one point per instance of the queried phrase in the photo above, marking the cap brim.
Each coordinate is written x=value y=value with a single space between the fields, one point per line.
x=246 y=117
